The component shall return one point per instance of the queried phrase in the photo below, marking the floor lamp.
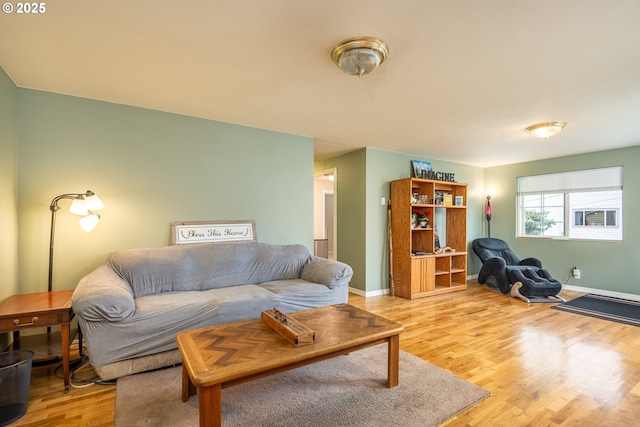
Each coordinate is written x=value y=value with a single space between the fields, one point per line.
x=82 y=204
x=487 y=212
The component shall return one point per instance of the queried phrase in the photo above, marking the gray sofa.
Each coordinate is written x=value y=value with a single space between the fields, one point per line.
x=131 y=308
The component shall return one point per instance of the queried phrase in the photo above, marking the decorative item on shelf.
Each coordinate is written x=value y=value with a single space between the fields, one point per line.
x=421 y=169
x=459 y=201
x=422 y=217
x=439 y=197
x=448 y=199
x=423 y=199
x=445 y=250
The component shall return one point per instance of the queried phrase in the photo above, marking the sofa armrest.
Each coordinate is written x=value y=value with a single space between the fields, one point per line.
x=330 y=273
x=102 y=295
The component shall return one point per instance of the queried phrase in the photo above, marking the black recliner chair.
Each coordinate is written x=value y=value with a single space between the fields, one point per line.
x=524 y=279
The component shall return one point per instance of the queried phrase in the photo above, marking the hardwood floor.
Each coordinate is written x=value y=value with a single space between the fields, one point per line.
x=544 y=367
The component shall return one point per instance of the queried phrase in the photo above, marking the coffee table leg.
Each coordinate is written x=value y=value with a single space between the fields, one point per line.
x=210 y=403
x=394 y=361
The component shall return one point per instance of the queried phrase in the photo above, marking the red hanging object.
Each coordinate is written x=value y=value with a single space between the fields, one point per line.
x=487 y=212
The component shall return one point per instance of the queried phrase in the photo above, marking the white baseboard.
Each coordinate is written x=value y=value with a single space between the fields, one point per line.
x=602 y=292
x=385 y=291
x=370 y=293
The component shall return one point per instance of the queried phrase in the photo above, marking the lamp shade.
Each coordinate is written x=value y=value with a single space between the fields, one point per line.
x=78 y=206
x=89 y=222
x=93 y=202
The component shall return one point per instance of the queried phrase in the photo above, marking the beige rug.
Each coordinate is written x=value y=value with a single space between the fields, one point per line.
x=344 y=391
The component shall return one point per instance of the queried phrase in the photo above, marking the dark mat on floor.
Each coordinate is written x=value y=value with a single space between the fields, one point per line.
x=609 y=308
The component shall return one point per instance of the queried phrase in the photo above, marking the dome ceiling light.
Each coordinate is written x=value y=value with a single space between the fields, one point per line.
x=546 y=129
x=359 y=56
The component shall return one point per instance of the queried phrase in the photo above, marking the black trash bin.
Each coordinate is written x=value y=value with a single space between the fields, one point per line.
x=15 y=376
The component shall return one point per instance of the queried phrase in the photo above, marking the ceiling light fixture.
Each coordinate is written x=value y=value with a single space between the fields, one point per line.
x=359 y=56
x=546 y=129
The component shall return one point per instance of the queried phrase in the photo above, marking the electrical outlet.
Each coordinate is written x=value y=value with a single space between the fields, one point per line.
x=575 y=272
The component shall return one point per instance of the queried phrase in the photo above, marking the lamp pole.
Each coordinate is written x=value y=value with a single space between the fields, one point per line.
x=54 y=208
x=487 y=212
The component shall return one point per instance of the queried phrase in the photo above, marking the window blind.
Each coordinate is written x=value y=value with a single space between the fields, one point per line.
x=601 y=179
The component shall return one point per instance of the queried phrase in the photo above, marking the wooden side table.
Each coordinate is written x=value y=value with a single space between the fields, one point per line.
x=27 y=311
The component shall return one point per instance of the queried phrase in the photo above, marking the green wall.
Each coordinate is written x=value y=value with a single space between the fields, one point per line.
x=385 y=166
x=363 y=179
x=149 y=168
x=607 y=266
x=351 y=212
x=152 y=168
x=8 y=190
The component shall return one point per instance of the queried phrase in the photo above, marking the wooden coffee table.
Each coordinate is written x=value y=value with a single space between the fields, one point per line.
x=225 y=355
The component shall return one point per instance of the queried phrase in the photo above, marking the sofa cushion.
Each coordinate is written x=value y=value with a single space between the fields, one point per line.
x=298 y=294
x=204 y=266
x=159 y=318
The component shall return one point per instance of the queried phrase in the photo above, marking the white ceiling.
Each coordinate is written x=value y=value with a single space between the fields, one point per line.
x=463 y=79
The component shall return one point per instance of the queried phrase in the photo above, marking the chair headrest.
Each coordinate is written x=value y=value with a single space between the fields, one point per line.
x=491 y=244
x=487 y=248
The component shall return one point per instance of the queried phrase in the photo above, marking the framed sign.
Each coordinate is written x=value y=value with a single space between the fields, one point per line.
x=185 y=232
x=421 y=169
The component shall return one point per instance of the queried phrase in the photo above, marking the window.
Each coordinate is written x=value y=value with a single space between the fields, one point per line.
x=575 y=205
x=544 y=214
x=606 y=218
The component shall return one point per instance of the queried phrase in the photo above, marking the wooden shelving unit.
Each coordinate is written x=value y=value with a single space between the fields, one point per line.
x=418 y=269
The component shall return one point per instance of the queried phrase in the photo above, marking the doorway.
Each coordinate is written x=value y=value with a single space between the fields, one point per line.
x=328 y=222
x=325 y=212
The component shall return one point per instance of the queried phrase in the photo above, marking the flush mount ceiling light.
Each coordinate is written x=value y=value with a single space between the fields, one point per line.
x=546 y=129
x=360 y=55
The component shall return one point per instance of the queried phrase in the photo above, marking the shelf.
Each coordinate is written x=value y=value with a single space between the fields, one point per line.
x=450 y=254
x=459 y=285
x=434 y=206
x=417 y=276
x=430 y=255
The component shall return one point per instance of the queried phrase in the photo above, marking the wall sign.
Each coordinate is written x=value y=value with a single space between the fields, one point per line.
x=423 y=170
x=185 y=232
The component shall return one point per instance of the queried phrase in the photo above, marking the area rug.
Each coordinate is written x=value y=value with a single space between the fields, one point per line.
x=344 y=391
x=602 y=307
